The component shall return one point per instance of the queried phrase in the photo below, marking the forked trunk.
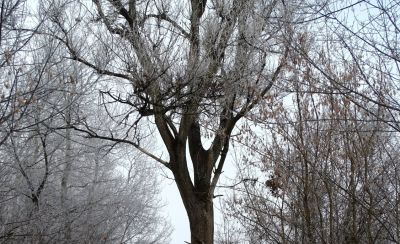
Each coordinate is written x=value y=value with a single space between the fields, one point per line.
x=197 y=197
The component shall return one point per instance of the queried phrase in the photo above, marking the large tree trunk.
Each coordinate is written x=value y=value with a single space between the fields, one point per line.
x=201 y=219
x=197 y=194
x=200 y=211
x=199 y=208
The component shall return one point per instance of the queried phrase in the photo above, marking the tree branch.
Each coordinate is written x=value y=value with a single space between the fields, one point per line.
x=92 y=134
x=163 y=16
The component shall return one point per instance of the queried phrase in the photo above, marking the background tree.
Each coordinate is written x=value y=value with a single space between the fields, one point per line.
x=329 y=160
x=59 y=187
x=12 y=40
x=327 y=167
x=358 y=40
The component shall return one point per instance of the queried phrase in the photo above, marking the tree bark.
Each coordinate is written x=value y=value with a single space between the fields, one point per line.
x=201 y=219
x=196 y=194
x=200 y=211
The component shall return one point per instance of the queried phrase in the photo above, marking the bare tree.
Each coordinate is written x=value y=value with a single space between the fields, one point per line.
x=327 y=171
x=357 y=40
x=192 y=68
x=17 y=87
x=57 y=186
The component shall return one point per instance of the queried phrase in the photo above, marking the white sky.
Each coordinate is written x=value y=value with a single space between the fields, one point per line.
x=176 y=212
